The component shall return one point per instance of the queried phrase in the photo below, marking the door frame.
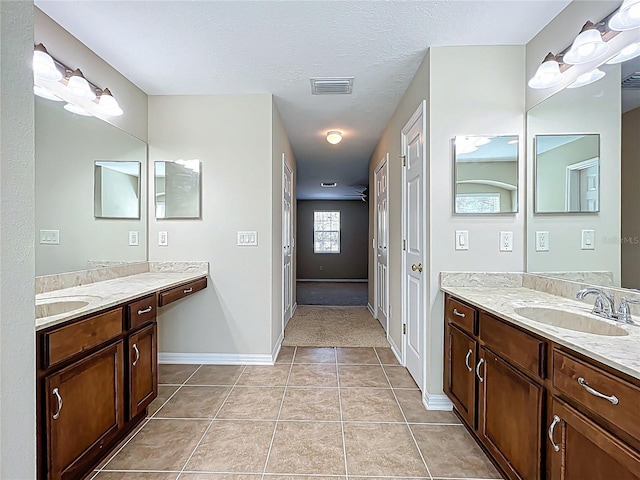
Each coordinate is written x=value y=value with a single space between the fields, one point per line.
x=384 y=161
x=285 y=319
x=571 y=171
x=421 y=110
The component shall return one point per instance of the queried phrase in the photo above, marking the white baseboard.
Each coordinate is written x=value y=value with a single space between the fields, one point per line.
x=334 y=280
x=436 y=402
x=395 y=349
x=293 y=311
x=371 y=310
x=276 y=348
x=216 y=358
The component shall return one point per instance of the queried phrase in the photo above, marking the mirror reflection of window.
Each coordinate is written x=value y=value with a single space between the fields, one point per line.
x=177 y=189
x=486 y=174
x=567 y=173
x=116 y=189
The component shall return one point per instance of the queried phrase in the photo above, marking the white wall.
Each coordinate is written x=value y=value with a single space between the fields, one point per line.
x=17 y=311
x=232 y=136
x=67 y=49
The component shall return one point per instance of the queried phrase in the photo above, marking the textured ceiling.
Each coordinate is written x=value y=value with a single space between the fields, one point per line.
x=233 y=47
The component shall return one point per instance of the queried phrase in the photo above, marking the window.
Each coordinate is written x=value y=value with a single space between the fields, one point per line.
x=478 y=203
x=326 y=232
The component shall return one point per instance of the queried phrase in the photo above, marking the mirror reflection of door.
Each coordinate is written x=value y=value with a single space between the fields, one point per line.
x=117 y=189
x=177 y=189
x=582 y=192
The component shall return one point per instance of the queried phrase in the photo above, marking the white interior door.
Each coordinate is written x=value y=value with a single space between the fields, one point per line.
x=287 y=240
x=381 y=244
x=414 y=272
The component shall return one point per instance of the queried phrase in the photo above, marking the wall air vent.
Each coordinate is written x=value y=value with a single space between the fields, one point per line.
x=632 y=81
x=328 y=184
x=332 y=86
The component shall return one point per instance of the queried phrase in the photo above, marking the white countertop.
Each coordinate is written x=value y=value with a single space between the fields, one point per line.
x=109 y=293
x=619 y=352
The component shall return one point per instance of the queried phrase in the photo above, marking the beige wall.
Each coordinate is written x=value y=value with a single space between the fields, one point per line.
x=17 y=266
x=630 y=199
x=67 y=49
x=232 y=136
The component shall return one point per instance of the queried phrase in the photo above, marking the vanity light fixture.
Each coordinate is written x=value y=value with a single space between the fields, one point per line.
x=107 y=105
x=587 y=78
x=627 y=17
x=44 y=67
x=548 y=74
x=334 y=137
x=627 y=53
x=44 y=93
x=587 y=46
x=78 y=87
x=73 y=108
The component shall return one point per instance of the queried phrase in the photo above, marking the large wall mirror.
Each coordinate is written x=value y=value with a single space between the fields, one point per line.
x=73 y=231
x=486 y=174
x=610 y=114
x=567 y=173
x=177 y=189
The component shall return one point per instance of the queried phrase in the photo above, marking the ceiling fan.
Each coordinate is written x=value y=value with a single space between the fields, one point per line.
x=362 y=191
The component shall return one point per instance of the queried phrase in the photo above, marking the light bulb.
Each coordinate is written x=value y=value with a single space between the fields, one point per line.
x=107 y=105
x=627 y=17
x=587 y=78
x=627 y=53
x=78 y=87
x=44 y=68
x=587 y=46
x=334 y=137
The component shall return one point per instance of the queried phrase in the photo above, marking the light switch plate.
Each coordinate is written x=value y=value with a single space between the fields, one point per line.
x=163 y=239
x=542 y=241
x=50 y=237
x=588 y=239
x=506 y=241
x=133 y=238
x=248 y=238
x=462 y=239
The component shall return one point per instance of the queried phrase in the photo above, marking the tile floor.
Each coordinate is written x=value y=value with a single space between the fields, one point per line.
x=326 y=413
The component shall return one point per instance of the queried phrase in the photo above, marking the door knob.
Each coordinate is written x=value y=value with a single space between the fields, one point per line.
x=417 y=267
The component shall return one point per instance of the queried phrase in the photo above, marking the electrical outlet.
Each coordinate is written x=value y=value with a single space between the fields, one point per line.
x=588 y=239
x=133 y=238
x=163 y=239
x=542 y=241
x=462 y=240
x=506 y=241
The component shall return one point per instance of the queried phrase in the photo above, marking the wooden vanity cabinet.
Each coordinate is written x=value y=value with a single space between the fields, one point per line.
x=143 y=369
x=460 y=381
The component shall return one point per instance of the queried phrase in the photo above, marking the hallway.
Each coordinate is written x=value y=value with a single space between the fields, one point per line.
x=332 y=412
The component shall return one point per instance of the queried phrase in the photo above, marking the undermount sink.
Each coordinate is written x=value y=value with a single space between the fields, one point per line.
x=571 y=321
x=50 y=309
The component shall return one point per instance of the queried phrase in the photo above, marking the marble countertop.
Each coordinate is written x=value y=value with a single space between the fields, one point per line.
x=619 y=352
x=109 y=293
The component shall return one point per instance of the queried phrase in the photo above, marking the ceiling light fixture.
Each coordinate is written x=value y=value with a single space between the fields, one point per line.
x=334 y=137
x=44 y=67
x=587 y=78
x=78 y=87
x=44 y=93
x=107 y=105
x=587 y=46
x=73 y=108
x=548 y=74
x=627 y=17
x=627 y=53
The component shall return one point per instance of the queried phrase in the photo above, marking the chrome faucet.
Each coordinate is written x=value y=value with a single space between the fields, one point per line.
x=604 y=305
x=624 y=314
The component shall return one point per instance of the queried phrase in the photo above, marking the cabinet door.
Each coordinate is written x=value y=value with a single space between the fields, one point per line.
x=84 y=409
x=143 y=369
x=510 y=417
x=578 y=449
x=459 y=380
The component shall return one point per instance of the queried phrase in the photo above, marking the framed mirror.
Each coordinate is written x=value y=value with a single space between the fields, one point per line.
x=567 y=173
x=177 y=189
x=485 y=174
x=116 y=190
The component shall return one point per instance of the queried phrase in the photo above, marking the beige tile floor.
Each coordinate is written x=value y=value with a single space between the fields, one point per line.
x=319 y=413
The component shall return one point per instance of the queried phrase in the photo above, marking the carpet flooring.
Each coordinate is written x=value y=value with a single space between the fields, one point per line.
x=332 y=293
x=313 y=326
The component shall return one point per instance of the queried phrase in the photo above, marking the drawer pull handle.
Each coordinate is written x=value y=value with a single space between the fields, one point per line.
x=466 y=360
x=556 y=420
x=478 y=370
x=188 y=290
x=135 y=349
x=456 y=312
x=57 y=394
x=612 y=398
x=146 y=310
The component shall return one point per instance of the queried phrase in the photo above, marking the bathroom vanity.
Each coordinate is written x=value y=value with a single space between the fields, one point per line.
x=97 y=365
x=548 y=399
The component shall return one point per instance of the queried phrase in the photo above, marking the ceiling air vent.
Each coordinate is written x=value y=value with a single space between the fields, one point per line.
x=332 y=86
x=632 y=81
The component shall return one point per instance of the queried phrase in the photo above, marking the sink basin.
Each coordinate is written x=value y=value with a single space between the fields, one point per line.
x=571 y=321
x=49 y=309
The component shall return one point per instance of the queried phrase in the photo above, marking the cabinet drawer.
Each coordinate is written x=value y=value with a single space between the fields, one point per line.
x=62 y=343
x=141 y=312
x=583 y=382
x=181 y=291
x=526 y=351
x=461 y=315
